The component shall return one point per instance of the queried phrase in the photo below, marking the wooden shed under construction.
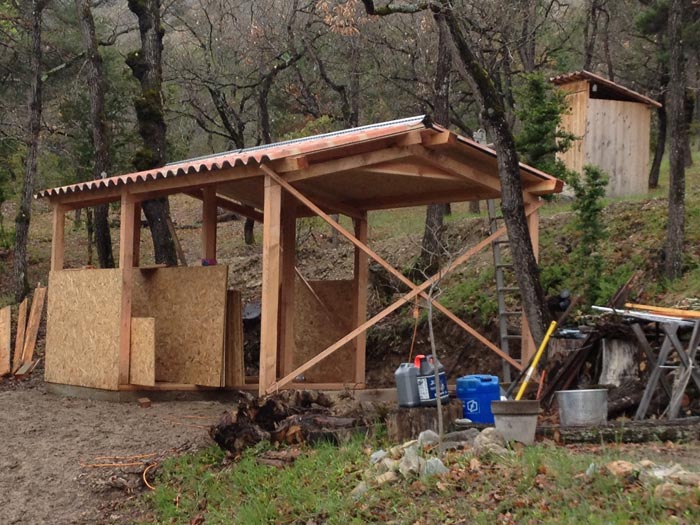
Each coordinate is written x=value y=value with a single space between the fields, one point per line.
x=180 y=328
x=613 y=126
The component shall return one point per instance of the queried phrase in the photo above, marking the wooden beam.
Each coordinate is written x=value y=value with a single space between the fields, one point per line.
x=270 y=284
x=409 y=169
x=21 y=332
x=58 y=238
x=331 y=205
x=458 y=168
x=32 y=330
x=209 y=223
x=137 y=235
x=348 y=163
x=287 y=289
x=230 y=205
x=544 y=187
x=437 y=197
x=129 y=222
x=359 y=298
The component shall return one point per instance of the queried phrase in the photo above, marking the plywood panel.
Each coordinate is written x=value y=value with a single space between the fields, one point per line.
x=188 y=304
x=82 y=333
x=319 y=322
x=142 y=363
x=618 y=142
x=5 y=335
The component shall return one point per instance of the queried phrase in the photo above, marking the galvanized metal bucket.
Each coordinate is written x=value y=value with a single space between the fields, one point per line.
x=583 y=407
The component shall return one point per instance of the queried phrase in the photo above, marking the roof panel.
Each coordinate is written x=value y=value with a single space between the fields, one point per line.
x=622 y=91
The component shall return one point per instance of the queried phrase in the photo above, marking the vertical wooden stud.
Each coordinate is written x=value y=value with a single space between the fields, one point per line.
x=270 y=284
x=528 y=347
x=58 y=239
x=289 y=232
x=136 y=253
x=209 y=223
x=359 y=298
x=127 y=229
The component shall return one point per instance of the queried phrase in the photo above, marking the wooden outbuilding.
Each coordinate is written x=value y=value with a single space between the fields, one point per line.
x=613 y=125
x=141 y=328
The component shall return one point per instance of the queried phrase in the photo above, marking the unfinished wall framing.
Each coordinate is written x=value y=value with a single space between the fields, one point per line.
x=188 y=318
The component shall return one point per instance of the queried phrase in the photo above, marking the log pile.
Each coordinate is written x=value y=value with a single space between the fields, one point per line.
x=299 y=417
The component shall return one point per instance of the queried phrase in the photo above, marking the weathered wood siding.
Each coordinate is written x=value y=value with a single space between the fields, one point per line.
x=617 y=141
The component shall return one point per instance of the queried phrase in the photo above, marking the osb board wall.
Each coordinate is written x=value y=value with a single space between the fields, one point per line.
x=574 y=121
x=317 y=326
x=142 y=362
x=188 y=304
x=82 y=329
x=617 y=140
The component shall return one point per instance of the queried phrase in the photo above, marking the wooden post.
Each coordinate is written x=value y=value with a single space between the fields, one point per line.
x=129 y=223
x=209 y=223
x=289 y=231
x=58 y=239
x=359 y=298
x=137 y=236
x=270 y=284
x=528 y=346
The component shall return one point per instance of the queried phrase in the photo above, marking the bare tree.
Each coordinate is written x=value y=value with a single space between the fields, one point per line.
x=100 y=128
x=23 y=218
x=146 y=65
x=675 y=232
x=496 y=120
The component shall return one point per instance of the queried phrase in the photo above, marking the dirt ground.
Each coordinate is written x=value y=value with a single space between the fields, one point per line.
x=45 y=438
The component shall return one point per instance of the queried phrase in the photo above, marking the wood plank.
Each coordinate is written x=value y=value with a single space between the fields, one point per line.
x=129 y=221
x=209 y=223
x=348 y=163
x=451 y=165
x=270 y=283
x=21 y=331
x=287 y=310
x=33 y=324
x=674 y=312
x=234 y=367
x=5 y=343
x=528 y=347
x=142 y=365
x=230 y=205
x=136 y=252
x=359 y=296
x=58 y=237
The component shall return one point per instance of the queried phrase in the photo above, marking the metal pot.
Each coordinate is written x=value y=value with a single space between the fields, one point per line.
x=583 y=407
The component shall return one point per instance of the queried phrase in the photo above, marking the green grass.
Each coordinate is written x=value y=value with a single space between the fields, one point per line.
x=538 y=484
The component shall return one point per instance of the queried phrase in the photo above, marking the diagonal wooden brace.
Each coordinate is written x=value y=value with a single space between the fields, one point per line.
x=415 y=289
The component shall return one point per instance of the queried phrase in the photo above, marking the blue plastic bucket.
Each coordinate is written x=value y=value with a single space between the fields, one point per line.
x=476 y=393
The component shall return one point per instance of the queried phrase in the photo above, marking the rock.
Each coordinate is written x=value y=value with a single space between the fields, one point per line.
x=491 y=441
x=386 y=465
x=387 y=477
x=377 y=456
x=434 y=467
x=455 y=445
x=360 y=490
x=411 y=464
x=677 y=497
x=621 y=468
x=428 y=438
x=462 y=436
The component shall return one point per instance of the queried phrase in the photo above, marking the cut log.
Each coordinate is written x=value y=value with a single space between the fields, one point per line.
x=678 y=430
x=404 y=424
x=619 y=361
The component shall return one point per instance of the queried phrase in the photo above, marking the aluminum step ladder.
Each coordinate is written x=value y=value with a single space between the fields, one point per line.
x=503 y=269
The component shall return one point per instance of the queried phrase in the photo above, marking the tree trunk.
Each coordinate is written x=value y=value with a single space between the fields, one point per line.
x=23 y=218
x=675 y=232
x=100 y=130
x=689 y=112
x=660 y=149
x=432 y=245
x=512 y=203
x=248 y=231
x=146 y=65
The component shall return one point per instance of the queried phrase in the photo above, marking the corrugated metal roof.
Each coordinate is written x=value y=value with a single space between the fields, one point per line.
x=250 y=156
x=324 y=144
x=627 y=93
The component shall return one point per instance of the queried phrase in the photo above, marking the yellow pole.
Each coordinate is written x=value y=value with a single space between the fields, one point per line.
x=538 y=355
